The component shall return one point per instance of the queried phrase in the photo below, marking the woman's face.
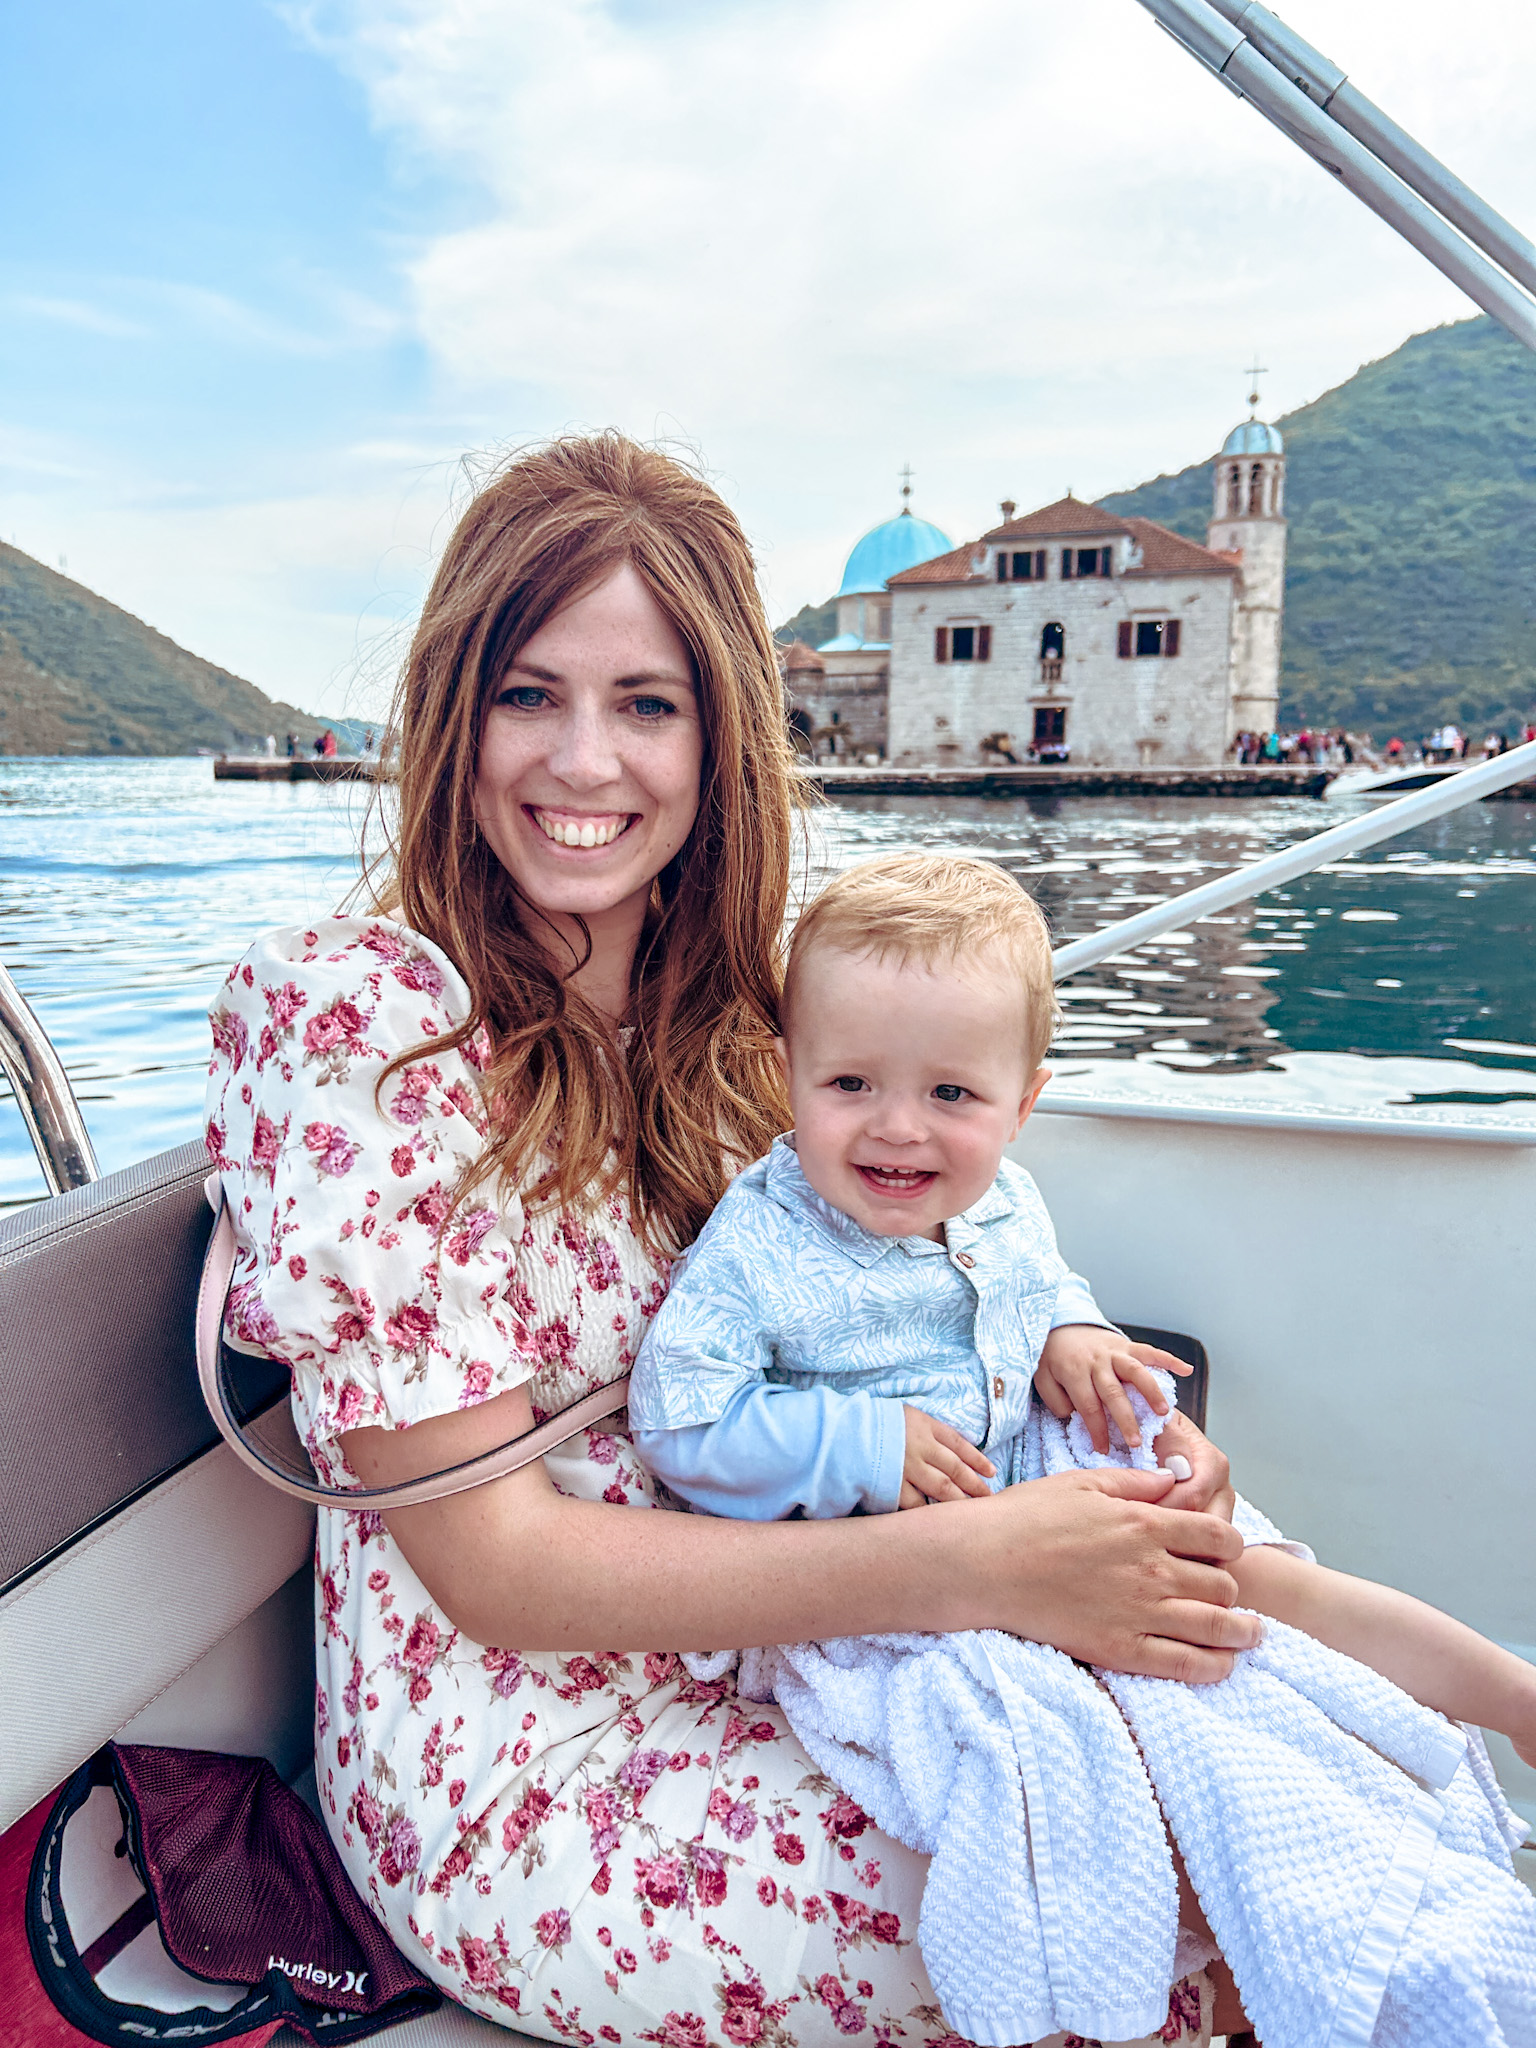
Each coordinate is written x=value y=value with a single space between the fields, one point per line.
x=591 y=756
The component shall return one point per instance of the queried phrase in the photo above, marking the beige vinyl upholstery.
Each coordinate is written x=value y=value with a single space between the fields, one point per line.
x=88 y=1640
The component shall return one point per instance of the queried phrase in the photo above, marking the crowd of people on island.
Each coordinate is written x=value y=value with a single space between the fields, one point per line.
x=1294 y=749
x=1340 y=749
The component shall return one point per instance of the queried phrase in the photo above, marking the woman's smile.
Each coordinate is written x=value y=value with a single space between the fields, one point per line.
x=583 y=829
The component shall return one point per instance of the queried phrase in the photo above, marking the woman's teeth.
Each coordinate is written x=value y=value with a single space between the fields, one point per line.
x=589 y=832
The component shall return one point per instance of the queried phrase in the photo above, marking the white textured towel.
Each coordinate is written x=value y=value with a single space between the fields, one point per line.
x=1350 y=1848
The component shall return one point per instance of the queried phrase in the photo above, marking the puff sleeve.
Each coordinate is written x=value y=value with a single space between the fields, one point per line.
x=352 y=1268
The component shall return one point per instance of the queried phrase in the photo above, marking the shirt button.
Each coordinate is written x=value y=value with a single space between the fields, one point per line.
x=964 y=1259
x=997 y=1386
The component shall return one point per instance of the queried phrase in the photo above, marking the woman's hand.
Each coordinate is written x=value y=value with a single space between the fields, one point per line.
x=1113 y=1575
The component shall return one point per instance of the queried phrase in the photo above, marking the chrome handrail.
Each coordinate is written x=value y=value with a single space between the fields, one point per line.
x=1308 y=99
x=1464 y=787
x=43 y=1095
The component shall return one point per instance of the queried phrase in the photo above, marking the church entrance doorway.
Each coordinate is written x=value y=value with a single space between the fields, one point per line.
x=1049 y=741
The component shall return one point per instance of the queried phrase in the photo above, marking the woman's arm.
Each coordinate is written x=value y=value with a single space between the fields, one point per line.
x=1086 y=1561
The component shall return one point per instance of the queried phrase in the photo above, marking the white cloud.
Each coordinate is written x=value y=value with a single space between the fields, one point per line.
x=1021 y=245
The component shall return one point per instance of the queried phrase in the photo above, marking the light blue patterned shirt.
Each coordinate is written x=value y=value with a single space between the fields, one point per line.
x=775 y=1375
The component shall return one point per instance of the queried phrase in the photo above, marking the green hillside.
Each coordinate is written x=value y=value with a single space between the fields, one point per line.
x=80 y=676
x=1411 y=492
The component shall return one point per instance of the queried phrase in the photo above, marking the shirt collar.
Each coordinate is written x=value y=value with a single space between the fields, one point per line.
x=788 y=1186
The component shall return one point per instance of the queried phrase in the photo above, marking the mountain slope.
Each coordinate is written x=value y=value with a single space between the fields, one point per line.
x=80 y=676
x=1411 y=492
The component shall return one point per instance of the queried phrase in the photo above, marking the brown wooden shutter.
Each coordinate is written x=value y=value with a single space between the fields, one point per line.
x=983 y=643
x=941 y=643
x=1123 y=646
x=1171 y=637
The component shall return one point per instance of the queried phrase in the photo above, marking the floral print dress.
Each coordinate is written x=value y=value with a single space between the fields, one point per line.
x=584 y=1847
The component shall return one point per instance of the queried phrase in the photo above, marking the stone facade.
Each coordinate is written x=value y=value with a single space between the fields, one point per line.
x=1249 y=520
x=1125 y=662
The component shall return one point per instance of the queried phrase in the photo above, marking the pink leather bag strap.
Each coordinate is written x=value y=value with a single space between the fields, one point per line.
x=270 y=1447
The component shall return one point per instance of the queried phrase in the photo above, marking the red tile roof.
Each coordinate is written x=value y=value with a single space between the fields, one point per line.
x=958 y=566
x=798 y=657
x=1163 y=552
x=1066 y=519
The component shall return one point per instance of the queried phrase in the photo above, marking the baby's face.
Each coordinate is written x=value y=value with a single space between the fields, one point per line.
x=906 y=1083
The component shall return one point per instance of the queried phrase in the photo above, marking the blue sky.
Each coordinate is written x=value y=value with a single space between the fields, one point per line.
x=270 y=270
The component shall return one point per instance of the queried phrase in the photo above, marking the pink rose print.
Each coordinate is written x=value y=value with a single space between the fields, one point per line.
x=661 y=1880
x=737 y=1819
x=767 y=1891
x=284 y=1004
x=844 y=1820
x=789 y=1848
x=847 y=2017
x=641 y=1770
x=1183 y=2021
x=709 y=1877
x=401 y=1850
x=524 y=1818
x=231 y=1038
x=333 y=1150
x=410 y=1326
x=553 y=1928
x=472 y=1232
x=746 y=2015
x=402 y=1161
x=264 y=1146
x=679 y=2030
x=421 y=974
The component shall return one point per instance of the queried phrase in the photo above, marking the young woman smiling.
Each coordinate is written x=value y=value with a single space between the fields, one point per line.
x=461 y=1138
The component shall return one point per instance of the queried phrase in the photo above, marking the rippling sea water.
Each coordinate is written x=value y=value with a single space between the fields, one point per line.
x=1405 y=978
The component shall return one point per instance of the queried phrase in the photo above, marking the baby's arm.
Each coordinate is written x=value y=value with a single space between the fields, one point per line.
x=774 y=1450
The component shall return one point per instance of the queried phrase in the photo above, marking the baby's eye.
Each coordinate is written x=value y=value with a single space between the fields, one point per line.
x=950 y=1091
x=849 y=1083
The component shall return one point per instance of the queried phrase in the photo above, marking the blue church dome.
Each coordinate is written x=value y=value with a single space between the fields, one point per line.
x=1253 y=437
x=901 y=543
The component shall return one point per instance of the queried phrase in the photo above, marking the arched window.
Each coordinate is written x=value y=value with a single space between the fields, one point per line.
x=1053 y=642
x=1256 y=491
x=1234 y=505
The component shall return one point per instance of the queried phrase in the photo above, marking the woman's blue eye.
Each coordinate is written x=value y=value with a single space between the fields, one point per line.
x=949 y=1091
x=849 y=1083
x=651 y=707
x=522 y=696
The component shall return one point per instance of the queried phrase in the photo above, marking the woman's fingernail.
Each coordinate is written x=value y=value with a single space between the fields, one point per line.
x=1179 y=1466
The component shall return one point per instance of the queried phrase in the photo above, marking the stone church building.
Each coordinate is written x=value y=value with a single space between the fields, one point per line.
x=1073 y=633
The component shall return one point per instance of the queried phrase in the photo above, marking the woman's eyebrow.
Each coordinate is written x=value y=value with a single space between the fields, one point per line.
x=640 y=679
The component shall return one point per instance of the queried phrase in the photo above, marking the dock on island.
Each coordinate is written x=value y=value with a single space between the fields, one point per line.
x=836 y=780
x=302 y=768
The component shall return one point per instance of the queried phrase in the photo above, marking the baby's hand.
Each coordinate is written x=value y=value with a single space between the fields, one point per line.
x=1085 y=1368
x=940 y=1464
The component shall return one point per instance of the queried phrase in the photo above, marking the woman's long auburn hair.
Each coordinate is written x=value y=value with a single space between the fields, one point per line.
x=696 y=1092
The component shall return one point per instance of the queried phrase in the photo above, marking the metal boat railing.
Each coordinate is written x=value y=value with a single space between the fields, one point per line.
x=1274 y=869
x=43 y=1095
x=1308 y=98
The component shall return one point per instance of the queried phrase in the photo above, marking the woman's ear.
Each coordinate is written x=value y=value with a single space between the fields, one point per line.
x=1031 y=1097
x=781 y=1054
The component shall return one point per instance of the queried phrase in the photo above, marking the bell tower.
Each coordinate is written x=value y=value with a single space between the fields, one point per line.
x=1248 y=520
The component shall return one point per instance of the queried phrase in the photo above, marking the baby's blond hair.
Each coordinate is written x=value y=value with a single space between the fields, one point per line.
x=936 y=908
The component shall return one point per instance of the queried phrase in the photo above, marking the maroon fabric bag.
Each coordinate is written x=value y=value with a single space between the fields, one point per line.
x=223 y=1878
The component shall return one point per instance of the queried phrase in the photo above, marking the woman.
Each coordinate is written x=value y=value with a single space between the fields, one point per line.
x=460 y=1139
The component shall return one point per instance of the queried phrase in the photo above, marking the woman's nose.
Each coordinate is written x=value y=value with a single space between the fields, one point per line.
x=584 y=755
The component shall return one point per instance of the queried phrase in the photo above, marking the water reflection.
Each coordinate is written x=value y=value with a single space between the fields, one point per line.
x=127 y=888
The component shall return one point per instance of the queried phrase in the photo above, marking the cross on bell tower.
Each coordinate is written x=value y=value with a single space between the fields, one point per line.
x=906 y=487
x=1255 y=371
